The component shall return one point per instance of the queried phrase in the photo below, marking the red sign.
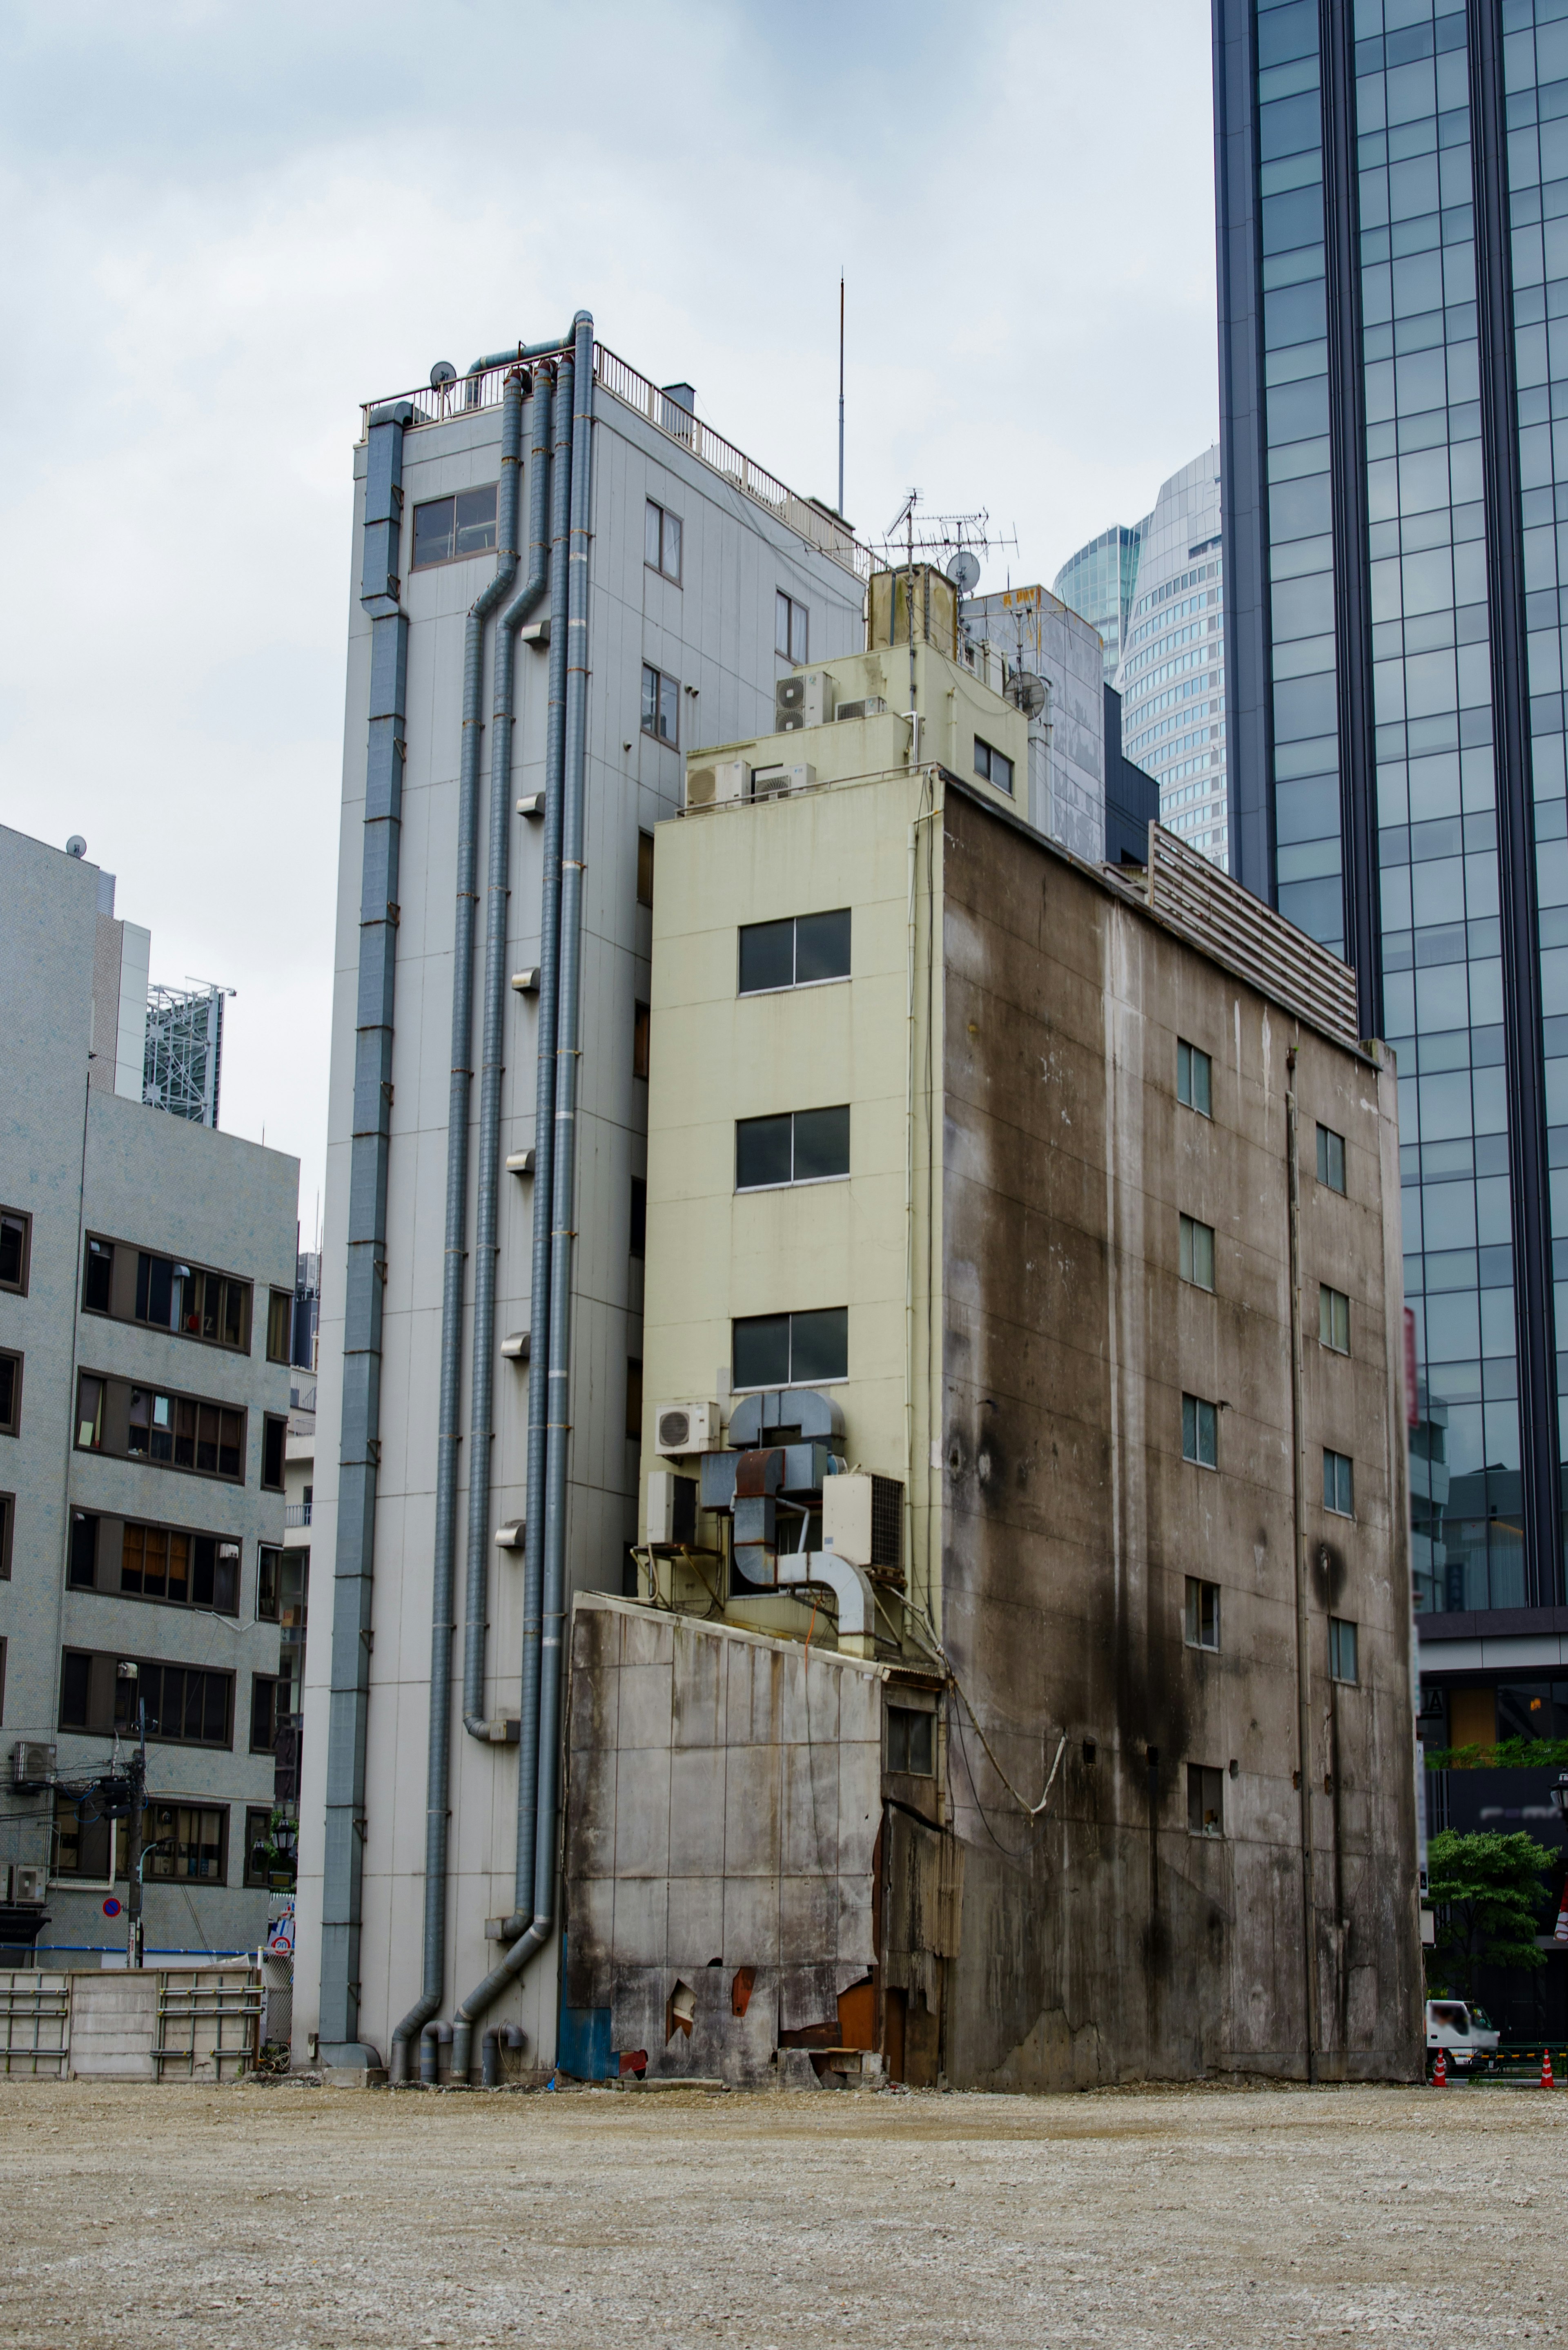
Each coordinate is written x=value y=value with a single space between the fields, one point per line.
x=1412 y=1413
x=111 y=1906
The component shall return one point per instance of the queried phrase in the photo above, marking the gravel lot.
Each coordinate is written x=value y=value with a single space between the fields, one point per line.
x=285 y=2215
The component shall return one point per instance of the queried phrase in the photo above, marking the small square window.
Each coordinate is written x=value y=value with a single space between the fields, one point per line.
x=791 y=629
x=995 y=768
x=446 y=530
x=1205 y=1800
x=10 y=1394
x=1194 y=1079
x=660 y=705
x=1197 y=1253
x=1199 y=1431
x=910 y=1741
x=1342 y=1645
x=645 y=868
x=662 y=541
x=1338 y=1483
x=780 y=1350
x=1333 y=1318
x=16 y=1237
x=1331 y=1159
x=1202 y=1624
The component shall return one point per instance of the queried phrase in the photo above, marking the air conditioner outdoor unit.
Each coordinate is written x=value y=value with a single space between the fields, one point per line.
x=771 y=783
x=32 y=1763
x=805 y=699
x=862 y=1522
x=716 y=786
x=671 y=1509
x=28 y=1886
x=682 y=1428
x=872 y=707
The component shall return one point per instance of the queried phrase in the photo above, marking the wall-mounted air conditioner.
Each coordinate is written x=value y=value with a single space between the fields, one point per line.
x=862 y=1522
x=715 y=786
x=807 y=698
x=682 y=1428
x=32 y=1763
x=29 y=1887
x=671 y=1509
x=772 y=783
x=873 y=706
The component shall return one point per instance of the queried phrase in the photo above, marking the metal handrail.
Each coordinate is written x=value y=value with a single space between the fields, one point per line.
x=1261 y=946
x=815 y=524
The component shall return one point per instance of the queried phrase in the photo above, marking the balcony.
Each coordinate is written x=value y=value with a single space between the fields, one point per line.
x=297 y=1514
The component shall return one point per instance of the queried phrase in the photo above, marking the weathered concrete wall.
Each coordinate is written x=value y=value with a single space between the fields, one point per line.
x=1107 y=1939
x=722 y=1814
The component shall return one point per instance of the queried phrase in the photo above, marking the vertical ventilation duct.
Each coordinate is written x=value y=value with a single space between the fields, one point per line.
x=359 y=1439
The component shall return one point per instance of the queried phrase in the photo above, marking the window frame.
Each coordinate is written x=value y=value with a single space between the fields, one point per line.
x=634 y=1398
x=7 y=1533
x=789 y=608
x=252 y=1879
x=789 y=986
x=791 y=1182
x=165 y=1598
x=274 y=1428
x=173 y=1396
x=1341 y=1461
x=269 y=1555
x=636 y=1232
x=280 y=1302
x=1338 y=1626
x=1329 y=1301
x=792 y=1316
x=986 y=755
x=1196 y=1057
x=666 y=516
x=1194 y=1238
x=19 y=1288
x=1199 y=1592
x=641 y=1039
x=907 y=1716
x=99 y=1243
x=451 y=498
x=1197 y=1776
x=662 y=679
x=1200 y=1404
x=260 y=1681
x=13 y=1424
x=644 y=867
x=1327 y=1139
x=114 y=1659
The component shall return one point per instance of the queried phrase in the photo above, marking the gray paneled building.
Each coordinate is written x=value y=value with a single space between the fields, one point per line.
x=146 y=1288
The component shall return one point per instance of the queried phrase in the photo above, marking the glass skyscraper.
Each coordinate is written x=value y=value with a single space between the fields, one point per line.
x=1098 y=582
x=1393 y=246
x=1172 y=674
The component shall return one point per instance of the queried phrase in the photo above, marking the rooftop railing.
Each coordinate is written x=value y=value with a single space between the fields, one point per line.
x=817 y=525
x=1217 y=913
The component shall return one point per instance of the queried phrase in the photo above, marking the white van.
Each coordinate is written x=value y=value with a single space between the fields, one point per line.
x=1463 y=2031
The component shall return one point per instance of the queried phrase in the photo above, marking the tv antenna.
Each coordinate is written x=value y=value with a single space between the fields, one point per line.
x=955 y=541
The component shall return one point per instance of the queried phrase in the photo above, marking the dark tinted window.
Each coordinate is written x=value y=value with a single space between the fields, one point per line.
x=10 y=1393
x=14 y=1232
x=761 y=1351
x=273 y=1434
x=638 y=1239
x=761 y=1151
x=83 y=1549
x=819 y=1346
x=767 y=956
x=97 y=1280
x=822 y=947
x=821 y=1143
x=74 y=1687
x=1331 y=1159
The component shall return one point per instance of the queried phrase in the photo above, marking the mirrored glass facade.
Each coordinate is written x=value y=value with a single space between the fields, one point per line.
x=1098 y=584
x=1393 y=194
x=1172 y=676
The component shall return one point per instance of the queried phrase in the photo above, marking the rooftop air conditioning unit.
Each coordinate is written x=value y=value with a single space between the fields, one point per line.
x=772 y=783
x=29 y=1887
x=715 y=786
x=862 y=1522
x=32 y=1763
x=807 y=698
x=671 y=1509
x=872 y=707
x=682 y=1428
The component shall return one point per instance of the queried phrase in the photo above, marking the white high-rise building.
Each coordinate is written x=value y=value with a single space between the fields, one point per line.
x=1173 y=672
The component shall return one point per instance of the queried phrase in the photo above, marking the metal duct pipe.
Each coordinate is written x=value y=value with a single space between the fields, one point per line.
x=560 y=1349
x=432 y=2040
x=497 y=885
x=449 y=1435
x=515 y=357
x=544 y=1152
x=360 y=1434
x=492 y=2042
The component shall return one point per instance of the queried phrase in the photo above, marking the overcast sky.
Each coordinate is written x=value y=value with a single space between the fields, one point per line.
x=227 y=226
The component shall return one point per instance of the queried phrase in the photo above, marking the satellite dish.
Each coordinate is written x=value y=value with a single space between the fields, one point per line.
x=442 y=374
x=1026 y=693
x=76 y=846
x=965 y=571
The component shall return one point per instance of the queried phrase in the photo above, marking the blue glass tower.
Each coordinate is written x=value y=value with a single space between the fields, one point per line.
x=1393 y=248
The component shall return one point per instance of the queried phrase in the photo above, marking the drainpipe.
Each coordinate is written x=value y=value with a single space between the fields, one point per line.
x=1303 y=1626
x=482 y=1385
x=359 y=1439
x=439 y=1749
x=564 y=1144
x=544 y=1152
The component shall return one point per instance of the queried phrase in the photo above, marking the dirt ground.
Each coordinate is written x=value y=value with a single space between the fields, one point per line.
x=269 y=2217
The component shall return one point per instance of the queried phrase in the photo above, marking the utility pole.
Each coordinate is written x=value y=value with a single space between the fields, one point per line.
x=133 y=1936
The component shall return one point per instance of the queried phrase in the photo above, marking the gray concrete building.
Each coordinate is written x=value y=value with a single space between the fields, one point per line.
x=1035 y=633
x=146 y=1266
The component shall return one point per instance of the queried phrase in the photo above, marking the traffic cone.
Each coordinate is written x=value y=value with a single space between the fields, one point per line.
x=1440 y=2072
x=1546 y=2080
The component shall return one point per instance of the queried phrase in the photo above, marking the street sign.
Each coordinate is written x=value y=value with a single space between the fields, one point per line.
x=111 y=1906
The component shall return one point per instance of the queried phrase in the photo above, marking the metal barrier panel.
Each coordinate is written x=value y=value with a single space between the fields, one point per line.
x=209 y=2022
x=35 y=2023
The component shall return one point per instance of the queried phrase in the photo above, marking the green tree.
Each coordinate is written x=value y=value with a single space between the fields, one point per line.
x=1486 y=1890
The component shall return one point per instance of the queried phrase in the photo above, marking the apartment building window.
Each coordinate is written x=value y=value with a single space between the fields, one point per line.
x=802 y=1146
x=184 y=1841
x=1338 y=1483
x=10 y=1394
x=137 y=1285
x=279 y=1325
x=184 y=1704
x=990 y=765
x=634 y=1397
x=641 y=1039
x=98 y=1277
x=1194 y=1079
x=269 y=1562
x=645 y=868
x=911 y=1740
x=171 y=1431
x=1202 y=1624
x=1333 y=1318
x=662 y=541
x=1205 y=1800
x=269 y=1857
x=1342 y=1645
x=792 y=628
x=7 y=1533
x=1199 y=1431
x=799 y=952
x=637 y=1244
x=1331 y=1159
x=449 y=530
x=265 y=1687
x=15 y=1247
x=784 y=1350
x=171 y=1564
x=660 y=705
x=275 y=1434
x=1197 y=1253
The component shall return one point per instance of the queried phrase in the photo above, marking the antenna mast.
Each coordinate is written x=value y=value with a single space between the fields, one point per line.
x=841 y=391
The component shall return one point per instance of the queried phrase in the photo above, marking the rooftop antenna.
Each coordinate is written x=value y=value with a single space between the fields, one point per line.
x=841 y=391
